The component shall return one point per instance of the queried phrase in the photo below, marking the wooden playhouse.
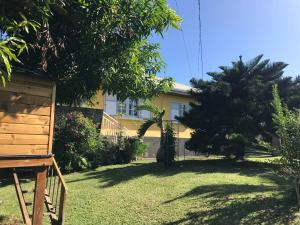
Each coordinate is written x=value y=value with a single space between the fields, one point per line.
x=27 y=107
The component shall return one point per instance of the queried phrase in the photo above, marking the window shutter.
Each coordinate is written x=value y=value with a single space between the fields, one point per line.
x=110 y=104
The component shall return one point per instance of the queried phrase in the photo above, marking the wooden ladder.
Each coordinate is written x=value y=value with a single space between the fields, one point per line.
x=54 y=195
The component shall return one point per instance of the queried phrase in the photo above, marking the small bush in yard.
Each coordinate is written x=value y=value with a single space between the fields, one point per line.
x=167 y=152
x=137 y=146
x=77 y=143
x=125 y=150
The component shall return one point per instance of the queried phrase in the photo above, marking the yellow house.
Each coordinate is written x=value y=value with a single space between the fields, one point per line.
x=127 y=116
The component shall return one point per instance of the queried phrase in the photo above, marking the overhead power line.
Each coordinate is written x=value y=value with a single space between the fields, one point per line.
x=184 y=42
x=200 y=48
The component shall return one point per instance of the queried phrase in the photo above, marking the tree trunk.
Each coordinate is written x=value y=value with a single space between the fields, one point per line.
x=160 y=153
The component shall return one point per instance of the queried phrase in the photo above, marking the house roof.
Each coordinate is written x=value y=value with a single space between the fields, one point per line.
x=181 y=89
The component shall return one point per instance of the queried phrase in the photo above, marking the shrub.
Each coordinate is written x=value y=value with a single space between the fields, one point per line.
x=125 y=150
x=77 y=143
x=137 y=146
x=166 y=153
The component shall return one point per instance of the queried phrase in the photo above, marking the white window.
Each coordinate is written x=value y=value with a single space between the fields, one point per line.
x=177 y=109
x=121 y=107
x=132 y=108
x=127 y=108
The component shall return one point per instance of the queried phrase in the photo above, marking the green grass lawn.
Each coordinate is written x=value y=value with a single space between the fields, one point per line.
x=201 y=191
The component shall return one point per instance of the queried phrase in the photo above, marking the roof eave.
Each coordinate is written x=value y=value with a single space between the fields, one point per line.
x=179 y=92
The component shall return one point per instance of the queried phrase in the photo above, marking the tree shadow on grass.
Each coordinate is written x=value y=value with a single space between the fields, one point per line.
x=123 y=173
x=258 y=208
x=219 y=191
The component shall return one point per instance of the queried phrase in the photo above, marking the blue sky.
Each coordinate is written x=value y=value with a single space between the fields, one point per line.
x=232 y=28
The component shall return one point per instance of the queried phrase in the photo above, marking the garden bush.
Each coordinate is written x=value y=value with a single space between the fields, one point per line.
x=125 y=150
x=77 y=143
x=137 y=146
x=167 y=152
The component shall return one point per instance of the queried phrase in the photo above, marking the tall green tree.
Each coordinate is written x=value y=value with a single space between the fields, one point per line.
x=166 y=152
x=287 y=124
x=103 y=44
x=233 y=106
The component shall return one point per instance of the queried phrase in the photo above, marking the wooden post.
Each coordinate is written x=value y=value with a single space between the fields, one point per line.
x=62 y=203
x=39 y=196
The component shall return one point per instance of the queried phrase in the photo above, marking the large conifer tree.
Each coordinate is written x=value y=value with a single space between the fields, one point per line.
x=233 y=107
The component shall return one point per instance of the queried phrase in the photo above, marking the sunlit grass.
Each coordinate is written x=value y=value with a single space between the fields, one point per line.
x=195 y=191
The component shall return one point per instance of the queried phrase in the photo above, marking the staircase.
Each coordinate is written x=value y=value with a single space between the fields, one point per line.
x=111 y=128
x=54 y=198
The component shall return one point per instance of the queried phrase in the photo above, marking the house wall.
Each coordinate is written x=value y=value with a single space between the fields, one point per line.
x=99 y=100
x=163 y=102
x=154 y=143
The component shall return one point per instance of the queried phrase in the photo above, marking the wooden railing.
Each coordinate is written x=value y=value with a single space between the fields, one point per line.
x=111 y=128
x=49 y=187
x=55 y=194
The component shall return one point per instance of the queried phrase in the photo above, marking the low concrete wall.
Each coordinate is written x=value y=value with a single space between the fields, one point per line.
x=153 y=146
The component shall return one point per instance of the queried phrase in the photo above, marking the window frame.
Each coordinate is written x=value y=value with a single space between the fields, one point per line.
x=127 y=108
x=181 y=108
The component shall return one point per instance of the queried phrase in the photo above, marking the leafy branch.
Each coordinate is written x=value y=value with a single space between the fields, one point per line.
x=12 y=45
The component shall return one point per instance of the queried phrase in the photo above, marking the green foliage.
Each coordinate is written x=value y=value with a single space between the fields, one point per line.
x=167 y=152
x=156 y=118
x=137 y=146
x=236 y=146
x=236 y=101
x=280 y=112
x=104 y=45
x=19 y=18
x=12 y=45
x=145 y=126
x=288 y=131
x=125 y=150
x=77 y=143
x=147 y=105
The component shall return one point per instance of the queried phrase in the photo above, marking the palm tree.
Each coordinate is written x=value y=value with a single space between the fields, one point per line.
x=157 y=118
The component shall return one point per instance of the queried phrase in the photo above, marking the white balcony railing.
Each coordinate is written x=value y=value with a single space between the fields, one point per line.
x=111 y=128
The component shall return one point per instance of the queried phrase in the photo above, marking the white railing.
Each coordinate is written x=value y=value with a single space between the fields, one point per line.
x=111 y=128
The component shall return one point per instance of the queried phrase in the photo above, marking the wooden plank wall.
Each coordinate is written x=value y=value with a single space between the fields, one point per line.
x=26 y=116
